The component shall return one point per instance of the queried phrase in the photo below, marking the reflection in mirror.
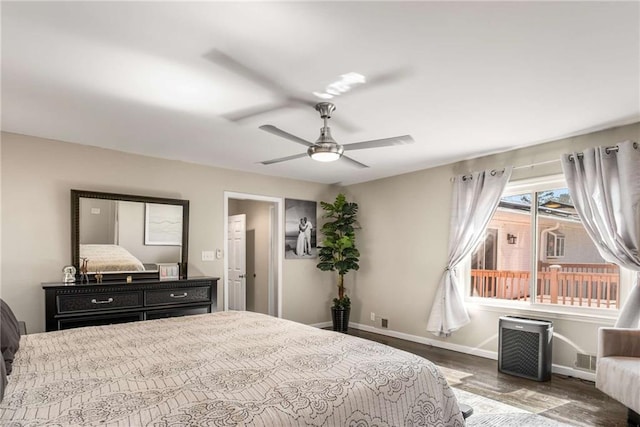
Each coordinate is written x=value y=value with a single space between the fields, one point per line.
x=117 y=235
x=128 y=234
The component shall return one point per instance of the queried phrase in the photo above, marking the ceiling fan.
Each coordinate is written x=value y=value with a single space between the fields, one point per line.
x=291 y=98
x=326 y=149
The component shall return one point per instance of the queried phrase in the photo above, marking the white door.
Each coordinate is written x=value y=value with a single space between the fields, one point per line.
x=237 y=248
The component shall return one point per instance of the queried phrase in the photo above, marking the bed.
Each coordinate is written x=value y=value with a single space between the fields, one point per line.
x=221 y=369
x=109 y=258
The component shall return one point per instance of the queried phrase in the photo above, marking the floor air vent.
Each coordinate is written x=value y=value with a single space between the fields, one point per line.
x=524 y=347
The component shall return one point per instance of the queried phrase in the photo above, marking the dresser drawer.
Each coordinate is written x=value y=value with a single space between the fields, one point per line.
x=111 y=319
x=177 y=312
x=177 y=296
x=93 y=302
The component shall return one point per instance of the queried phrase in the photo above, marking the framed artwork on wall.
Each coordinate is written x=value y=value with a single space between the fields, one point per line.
x=300 y=229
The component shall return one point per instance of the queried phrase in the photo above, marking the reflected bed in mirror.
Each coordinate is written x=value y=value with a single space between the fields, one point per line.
x=123 y=234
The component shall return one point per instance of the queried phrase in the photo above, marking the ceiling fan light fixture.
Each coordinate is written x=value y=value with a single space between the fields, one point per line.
x=325 y=152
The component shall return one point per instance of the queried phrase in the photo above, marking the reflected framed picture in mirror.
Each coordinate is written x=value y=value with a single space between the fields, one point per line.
x=163 y=224
x=168 y=271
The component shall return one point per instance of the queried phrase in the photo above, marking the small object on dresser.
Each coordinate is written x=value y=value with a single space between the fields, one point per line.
x=98 y=277
x=83 y=270
x=168 y=271
x=69 y=274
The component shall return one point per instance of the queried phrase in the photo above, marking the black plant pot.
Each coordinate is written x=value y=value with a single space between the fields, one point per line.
x=340 y=317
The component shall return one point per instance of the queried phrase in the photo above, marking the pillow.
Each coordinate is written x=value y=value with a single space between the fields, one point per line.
x=3 y=380
x=9 y=335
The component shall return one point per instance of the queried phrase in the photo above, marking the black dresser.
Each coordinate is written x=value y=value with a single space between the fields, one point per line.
x=75 y=305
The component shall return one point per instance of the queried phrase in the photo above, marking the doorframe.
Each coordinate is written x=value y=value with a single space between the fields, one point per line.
x=277 y=236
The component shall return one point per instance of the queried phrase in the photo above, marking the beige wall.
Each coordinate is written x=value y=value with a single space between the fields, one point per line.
x=37 y=175
x=403 y=240
x=405 y=227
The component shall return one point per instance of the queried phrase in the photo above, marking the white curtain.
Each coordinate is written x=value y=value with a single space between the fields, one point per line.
x=475 y=199
x=604 y=184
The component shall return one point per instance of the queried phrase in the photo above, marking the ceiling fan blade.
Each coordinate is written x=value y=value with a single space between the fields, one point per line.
x=290 y=98
x=302 y=101
x=376 y=143
x=232 y=64
x=381 y=79
x=245 y=113
x=354 y=162
x=279 y=132
x=388 y=77
x=284 y=159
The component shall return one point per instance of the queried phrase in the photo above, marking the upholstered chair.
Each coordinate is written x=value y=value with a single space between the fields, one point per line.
x=618 y=368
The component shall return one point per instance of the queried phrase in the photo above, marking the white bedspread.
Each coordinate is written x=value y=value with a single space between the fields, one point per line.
x=221 y=369
x=109 y=258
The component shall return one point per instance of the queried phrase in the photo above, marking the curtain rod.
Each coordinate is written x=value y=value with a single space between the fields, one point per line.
x=580 y=155
x=612 y=149
x=536 y=164
x=606 y=150
x=465 y=177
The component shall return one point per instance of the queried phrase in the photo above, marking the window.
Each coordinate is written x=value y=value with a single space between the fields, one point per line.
x=555 y=244
x=543 y=255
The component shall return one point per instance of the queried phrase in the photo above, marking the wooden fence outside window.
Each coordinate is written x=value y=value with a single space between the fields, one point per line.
x=583 y=285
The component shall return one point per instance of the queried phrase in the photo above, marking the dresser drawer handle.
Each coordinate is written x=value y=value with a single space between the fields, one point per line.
x=182 y=295
x=108 y=301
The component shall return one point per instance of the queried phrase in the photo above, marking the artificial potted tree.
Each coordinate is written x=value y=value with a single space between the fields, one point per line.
x=338 y=253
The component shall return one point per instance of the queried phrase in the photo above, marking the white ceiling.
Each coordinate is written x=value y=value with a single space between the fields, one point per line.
x=477 y=77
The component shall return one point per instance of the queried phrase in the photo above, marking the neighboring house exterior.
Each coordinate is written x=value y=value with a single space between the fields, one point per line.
x=501 y=263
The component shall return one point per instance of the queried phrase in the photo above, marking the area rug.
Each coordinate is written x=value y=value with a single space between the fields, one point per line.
x=489 y=412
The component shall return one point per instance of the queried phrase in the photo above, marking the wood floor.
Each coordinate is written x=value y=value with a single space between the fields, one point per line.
x=569 y=400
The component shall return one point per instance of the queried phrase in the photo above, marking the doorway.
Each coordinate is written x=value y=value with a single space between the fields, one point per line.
x=253 y=253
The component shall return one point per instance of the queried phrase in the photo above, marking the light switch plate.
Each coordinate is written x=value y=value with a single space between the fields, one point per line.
x=208 y=255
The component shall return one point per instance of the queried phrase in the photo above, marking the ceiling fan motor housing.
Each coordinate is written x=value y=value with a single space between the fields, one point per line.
x=325 y=149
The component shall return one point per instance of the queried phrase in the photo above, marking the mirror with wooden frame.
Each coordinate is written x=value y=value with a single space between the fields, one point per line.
x=120 y=235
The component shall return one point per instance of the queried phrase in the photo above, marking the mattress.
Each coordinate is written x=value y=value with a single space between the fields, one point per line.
x=221 y=369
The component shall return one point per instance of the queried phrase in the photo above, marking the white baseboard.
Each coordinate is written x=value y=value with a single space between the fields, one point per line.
x=487 y=354
x=573 y=372
x=322 y=325
x=423 y=340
